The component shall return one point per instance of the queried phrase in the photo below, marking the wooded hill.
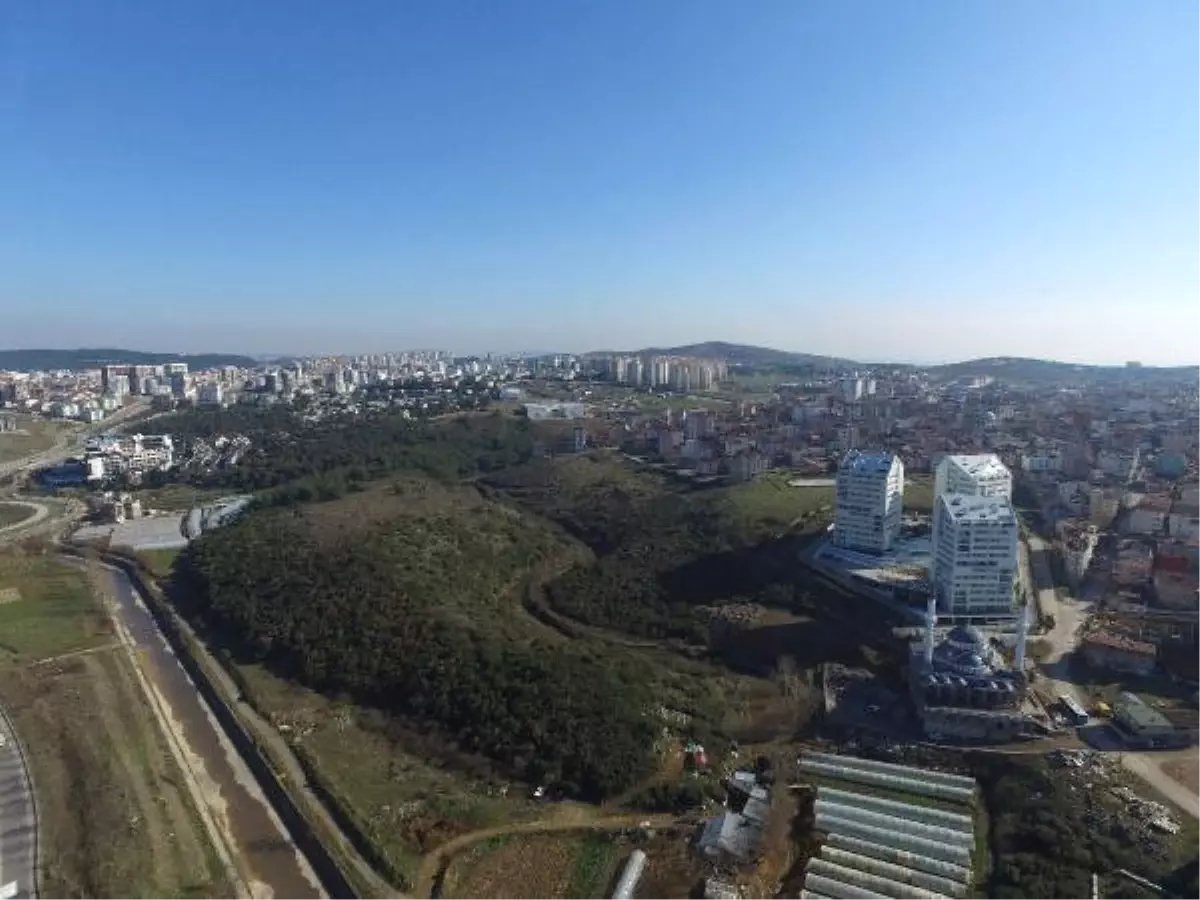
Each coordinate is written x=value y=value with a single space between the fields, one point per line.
x=402 y=600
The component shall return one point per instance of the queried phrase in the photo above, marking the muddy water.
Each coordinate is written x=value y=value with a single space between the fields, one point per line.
x=269 y=860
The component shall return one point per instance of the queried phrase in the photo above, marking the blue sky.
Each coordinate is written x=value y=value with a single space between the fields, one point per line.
x=917 y=181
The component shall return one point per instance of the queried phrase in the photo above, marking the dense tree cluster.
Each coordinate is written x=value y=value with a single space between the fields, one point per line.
x=1049 y=833
x=317 y=460
x=400 y=618
x=660 y=551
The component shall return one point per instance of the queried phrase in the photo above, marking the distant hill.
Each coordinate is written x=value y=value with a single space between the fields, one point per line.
x=747 y=355
x=1008 y=368
x=94 y=357
x=1020 y=369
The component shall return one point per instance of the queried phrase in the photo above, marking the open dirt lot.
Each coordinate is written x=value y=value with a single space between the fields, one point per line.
x=1184 y=771
x=32 y=436
x=115 y=818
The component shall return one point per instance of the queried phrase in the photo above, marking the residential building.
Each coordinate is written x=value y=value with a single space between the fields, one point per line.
x=870 y=495
x=1184 y=519
x=981 y=475
x=1150 y=515
x=972 y=475
x=210 y=395
x=1119 y=653
x=975 y=555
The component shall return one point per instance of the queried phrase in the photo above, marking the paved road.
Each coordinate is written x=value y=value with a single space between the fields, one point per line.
x=272 y=864
x=18 y=819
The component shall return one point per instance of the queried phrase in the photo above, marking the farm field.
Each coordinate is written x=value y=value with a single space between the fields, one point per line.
x=115 y=819
x=562 y=864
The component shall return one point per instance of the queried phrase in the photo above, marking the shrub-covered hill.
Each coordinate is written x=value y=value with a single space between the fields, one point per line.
x=399 y=598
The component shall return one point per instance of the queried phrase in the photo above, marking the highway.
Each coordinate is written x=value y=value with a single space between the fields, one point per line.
x=18 y=819
x=268 y=860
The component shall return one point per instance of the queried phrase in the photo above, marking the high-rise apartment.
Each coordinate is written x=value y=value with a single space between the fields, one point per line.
x=974 y=555
x=870 y=495
x=975 y=475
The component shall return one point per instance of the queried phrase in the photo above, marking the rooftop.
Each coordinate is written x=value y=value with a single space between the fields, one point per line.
x=981 y=465
x=1120 y=642
x=860 y=462
x=972 y=508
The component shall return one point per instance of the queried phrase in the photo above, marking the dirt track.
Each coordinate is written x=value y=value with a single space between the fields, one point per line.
x=568 y=817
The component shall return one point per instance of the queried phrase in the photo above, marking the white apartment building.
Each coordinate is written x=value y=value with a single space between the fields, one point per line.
x=979 y=474
x=975 y=555
x=975 y=475
x=870 y=496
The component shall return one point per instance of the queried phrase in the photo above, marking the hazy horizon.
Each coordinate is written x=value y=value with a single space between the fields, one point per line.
x=928 y=181
x=536 y=351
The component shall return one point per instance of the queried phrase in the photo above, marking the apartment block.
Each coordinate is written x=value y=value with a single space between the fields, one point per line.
x=870 y=495
x=975 y=555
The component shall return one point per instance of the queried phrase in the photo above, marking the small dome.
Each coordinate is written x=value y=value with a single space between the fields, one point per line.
x=966 y=636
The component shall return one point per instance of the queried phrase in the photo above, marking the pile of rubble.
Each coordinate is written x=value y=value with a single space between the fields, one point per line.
x=1148 y=812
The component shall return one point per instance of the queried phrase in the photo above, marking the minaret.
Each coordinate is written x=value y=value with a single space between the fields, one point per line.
x=1022 y=634
x=930 y=622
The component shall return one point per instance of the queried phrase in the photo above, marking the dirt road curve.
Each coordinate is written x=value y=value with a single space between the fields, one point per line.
x=39 y=512
x=1149 y=767
x=434 y=861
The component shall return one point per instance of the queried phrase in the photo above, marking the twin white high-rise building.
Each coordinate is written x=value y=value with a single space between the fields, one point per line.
x=975 y=537
x=870 y=496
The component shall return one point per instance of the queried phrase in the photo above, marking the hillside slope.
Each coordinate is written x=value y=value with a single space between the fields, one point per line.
x=95 y=357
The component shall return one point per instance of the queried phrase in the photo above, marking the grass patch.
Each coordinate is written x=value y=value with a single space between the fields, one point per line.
x=918 y=493
x=769 y=504
x=115 y=819
x=179 y=496
x=593 y=868
x=54 y=615
x=159 y=561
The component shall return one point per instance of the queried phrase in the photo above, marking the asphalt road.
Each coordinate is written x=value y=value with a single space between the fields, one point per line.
x=18 y=819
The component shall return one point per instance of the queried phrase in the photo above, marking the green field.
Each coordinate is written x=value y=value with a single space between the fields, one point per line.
x=918 y=493
x=48 y=612
x=115 y=819
x=768 y=503
x=159 y=562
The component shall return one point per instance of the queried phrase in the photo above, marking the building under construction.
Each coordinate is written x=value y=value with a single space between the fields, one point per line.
x=876 y=847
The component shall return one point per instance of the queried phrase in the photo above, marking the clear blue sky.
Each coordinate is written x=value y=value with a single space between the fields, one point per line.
x=917 y=181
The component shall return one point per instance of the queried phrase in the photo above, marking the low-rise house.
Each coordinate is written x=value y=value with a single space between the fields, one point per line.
x=1108 y=650
x=1184 y=518
x=1150 y=515
x=1141 y=724
x=1176 y=590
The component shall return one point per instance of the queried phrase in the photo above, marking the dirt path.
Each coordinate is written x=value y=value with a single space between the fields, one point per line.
x=1151 y=768
x=574 y=818
x=39 y=512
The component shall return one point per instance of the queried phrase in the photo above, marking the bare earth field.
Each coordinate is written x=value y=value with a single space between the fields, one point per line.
x=115 y=818
x=32 y=436
x=15 y=513
x=382 y=778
